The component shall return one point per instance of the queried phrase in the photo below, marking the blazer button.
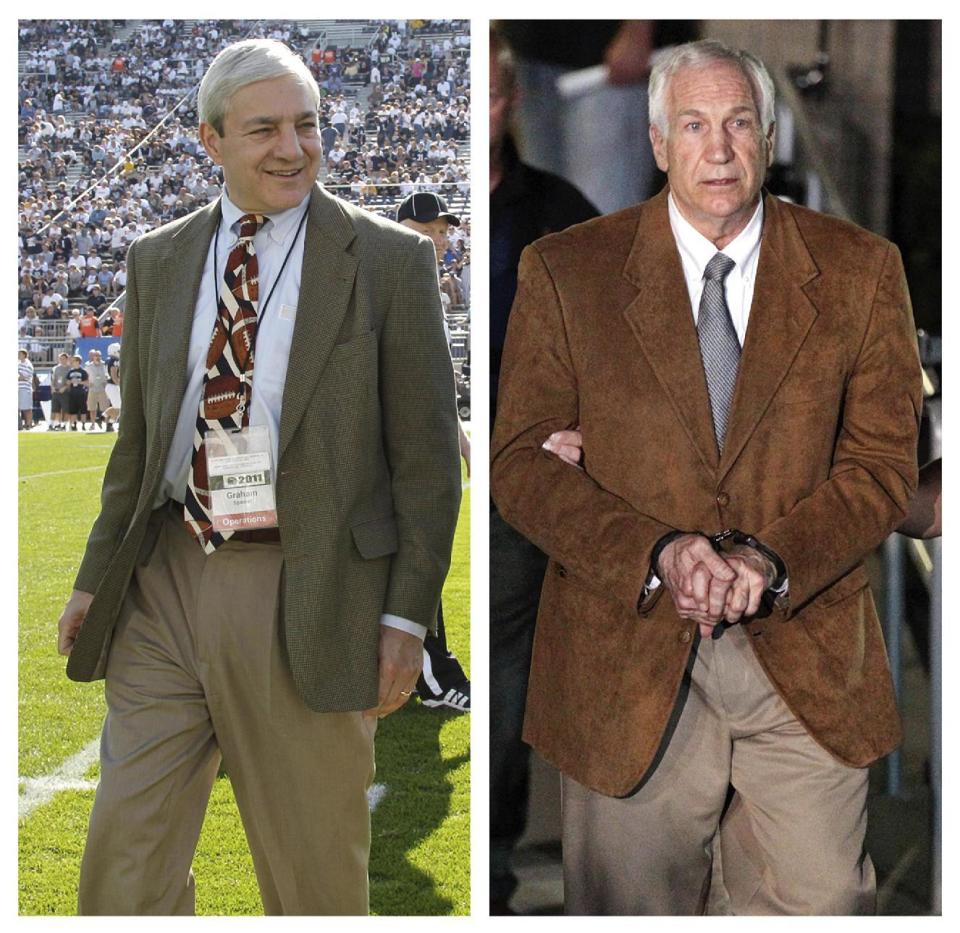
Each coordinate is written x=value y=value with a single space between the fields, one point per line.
x=684 y=636
x=723 y=500
x=561 y=570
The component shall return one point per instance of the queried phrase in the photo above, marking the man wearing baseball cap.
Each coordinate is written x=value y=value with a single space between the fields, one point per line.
x=427 y=213
x=442 y=681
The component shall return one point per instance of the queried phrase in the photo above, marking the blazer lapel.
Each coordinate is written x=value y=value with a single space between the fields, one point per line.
x=781 y=315
x=186 y=255
x=326 y=284
x=661 y=318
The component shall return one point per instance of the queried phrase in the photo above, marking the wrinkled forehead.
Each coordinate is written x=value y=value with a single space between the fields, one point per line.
x=720 y=84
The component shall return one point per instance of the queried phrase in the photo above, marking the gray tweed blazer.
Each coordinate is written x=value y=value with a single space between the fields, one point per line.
x=368 y=485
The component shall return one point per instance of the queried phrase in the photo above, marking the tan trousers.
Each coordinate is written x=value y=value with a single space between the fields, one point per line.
x=196 y=670
x=796 y=842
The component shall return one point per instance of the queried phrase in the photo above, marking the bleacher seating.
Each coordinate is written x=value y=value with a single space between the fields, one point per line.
x=108 y=145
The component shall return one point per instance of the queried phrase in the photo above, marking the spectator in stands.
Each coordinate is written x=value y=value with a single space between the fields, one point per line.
x=105 y=322
x=61 y=220
x=328 y=136
x=29 y=324
x=88 y=322
x=73 y=330
x=75 y=281
x=25 y=291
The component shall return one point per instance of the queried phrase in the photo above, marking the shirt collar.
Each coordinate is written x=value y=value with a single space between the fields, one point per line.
x=281 y=223
x=698 y=250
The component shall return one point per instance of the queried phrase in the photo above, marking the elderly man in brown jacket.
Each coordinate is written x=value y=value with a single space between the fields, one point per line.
x=746 y=379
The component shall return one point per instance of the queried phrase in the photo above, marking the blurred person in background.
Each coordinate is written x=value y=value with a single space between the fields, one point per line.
x=596 y=138
x=525 y=204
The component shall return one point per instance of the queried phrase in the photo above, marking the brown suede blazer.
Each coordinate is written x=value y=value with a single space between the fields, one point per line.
x=819 y=463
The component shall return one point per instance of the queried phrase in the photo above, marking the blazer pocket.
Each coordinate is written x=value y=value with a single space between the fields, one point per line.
x=577 y=581
x=376 y=538
x=847 y=585
x=354 y=347
x=811 y=395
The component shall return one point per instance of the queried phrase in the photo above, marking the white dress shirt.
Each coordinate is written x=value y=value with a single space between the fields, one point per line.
x=274 y=337
x=696 y=251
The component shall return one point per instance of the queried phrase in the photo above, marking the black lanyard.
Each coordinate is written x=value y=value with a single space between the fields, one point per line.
x=261 y=310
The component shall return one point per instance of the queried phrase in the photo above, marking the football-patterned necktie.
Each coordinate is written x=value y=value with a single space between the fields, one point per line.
x=228 y=380
x=719 y=346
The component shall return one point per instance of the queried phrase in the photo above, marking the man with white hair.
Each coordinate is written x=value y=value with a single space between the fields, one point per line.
x=745 y=376
x=273 y=540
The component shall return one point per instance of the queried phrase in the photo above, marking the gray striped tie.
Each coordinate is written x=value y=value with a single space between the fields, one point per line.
x=719 y=346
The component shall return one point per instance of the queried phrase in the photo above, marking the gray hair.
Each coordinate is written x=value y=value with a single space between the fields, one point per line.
x=698 y=55
x=243 y=63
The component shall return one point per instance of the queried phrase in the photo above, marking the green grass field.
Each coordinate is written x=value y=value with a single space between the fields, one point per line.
x=421 y=827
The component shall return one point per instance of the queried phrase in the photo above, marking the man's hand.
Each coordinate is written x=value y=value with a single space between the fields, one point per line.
x=71 y=619
x=698 y=579
x=755 y=574
x=567 y=445
x=628 y=54
x=400 y=659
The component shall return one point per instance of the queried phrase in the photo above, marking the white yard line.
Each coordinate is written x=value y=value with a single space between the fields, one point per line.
x=375 y=794
x=69 y=776
x=88 y=469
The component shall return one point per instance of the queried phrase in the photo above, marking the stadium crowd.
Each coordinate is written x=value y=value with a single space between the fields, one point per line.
x=109 y=149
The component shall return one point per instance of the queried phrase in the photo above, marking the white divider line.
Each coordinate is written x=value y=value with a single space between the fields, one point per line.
x=69 y=776
x=88 y=469
x=375 y=794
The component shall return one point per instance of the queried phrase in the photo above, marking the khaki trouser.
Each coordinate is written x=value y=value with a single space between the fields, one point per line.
x=197 y=669
x=795 y=844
